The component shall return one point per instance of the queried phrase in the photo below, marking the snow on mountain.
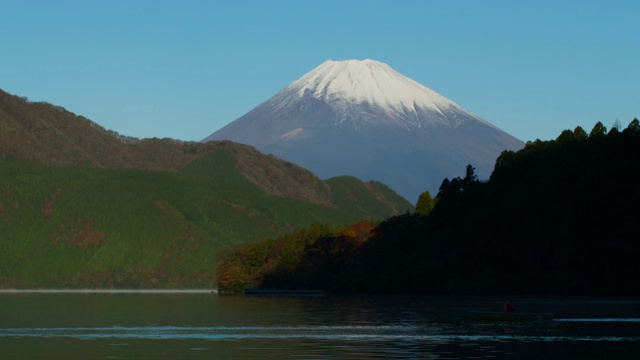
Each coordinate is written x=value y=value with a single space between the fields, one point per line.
x=362 y=118
x=370 y=82
x=373 y=86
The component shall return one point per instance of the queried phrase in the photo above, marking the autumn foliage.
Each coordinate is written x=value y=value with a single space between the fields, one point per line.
x=307 y=258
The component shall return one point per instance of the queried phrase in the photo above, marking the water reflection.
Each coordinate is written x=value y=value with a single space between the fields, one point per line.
x=602 y=320
x=204 y=326
x=338 y=333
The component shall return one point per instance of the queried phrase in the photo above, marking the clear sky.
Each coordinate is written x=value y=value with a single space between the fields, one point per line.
x=183 y=69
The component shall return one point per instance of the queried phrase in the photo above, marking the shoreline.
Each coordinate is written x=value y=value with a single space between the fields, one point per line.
x=108 y=291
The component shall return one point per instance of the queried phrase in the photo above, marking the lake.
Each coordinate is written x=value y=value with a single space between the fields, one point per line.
x=201 y=325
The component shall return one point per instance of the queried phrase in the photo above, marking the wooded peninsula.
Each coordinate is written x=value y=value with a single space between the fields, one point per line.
x=558 y=217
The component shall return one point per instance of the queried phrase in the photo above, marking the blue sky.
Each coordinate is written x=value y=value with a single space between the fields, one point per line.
x=184 y=69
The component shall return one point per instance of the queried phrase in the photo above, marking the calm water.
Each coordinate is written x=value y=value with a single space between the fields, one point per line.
x=209 y=326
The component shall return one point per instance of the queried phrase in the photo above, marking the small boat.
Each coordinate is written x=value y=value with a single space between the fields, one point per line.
x=506 y=316
x=285 y=292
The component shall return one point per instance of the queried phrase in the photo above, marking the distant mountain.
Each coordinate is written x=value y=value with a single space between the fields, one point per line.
x=81 y=206
x=364 y=119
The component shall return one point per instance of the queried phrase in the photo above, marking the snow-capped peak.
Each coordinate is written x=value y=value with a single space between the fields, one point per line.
x=367 y=81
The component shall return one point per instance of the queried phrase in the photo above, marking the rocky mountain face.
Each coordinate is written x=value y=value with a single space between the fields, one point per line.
x=364 y=119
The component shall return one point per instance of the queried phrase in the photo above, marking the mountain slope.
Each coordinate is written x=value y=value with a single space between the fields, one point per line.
x=51 y=135
x=364 y=119
x=84 y=207
x=67 y=226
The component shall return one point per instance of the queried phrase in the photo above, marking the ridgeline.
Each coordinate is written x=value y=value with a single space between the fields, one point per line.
x=555 y=218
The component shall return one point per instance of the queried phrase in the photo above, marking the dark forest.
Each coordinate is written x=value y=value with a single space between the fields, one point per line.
x=558 y=217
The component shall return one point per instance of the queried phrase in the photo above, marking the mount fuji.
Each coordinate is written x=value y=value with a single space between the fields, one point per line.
x=364 y=119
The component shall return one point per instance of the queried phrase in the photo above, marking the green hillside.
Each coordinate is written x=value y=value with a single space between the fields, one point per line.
x=84 y=207
x=78 y=227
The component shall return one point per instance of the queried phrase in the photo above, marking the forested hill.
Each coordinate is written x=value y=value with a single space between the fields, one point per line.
x=51 y=135
x=81 y=206
x=555 y=218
